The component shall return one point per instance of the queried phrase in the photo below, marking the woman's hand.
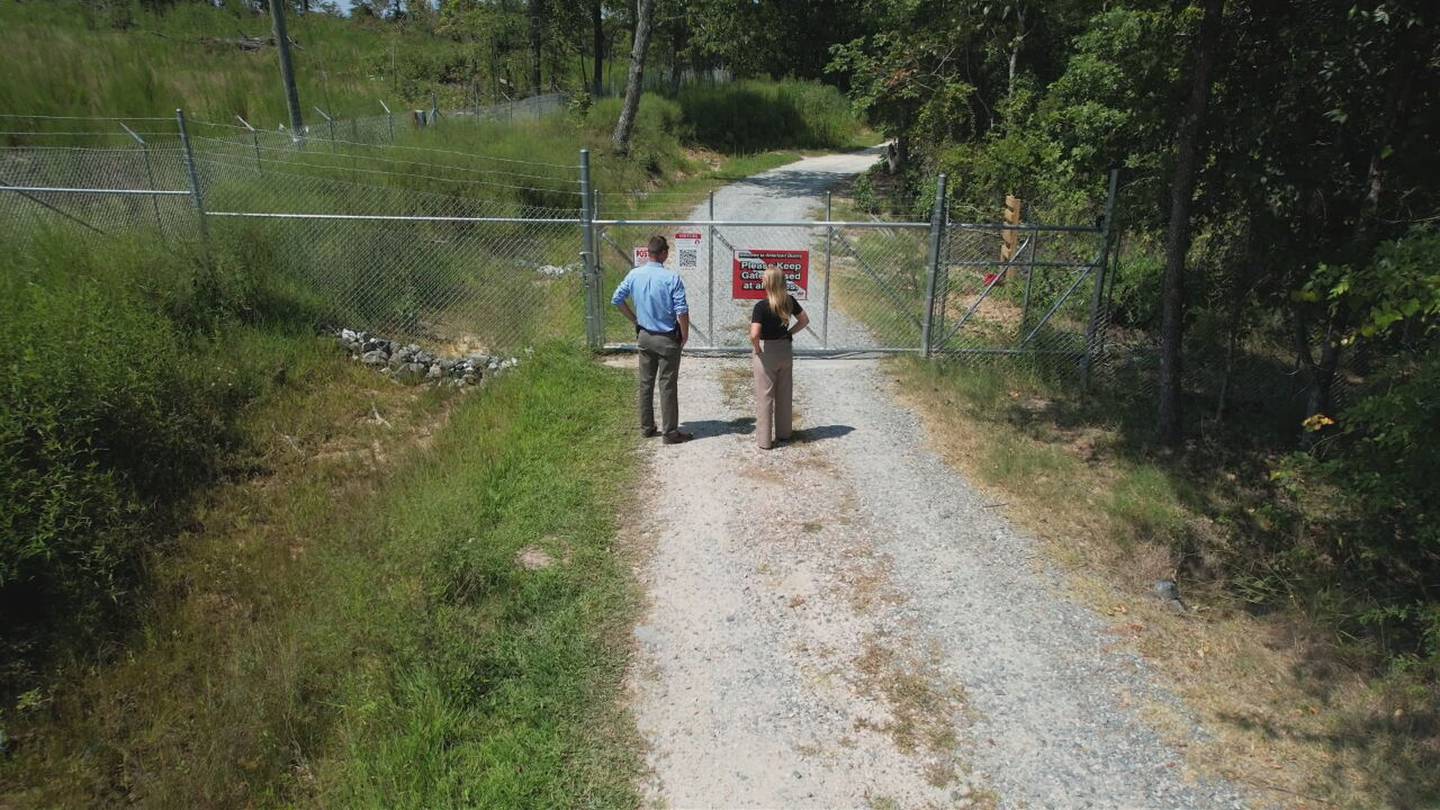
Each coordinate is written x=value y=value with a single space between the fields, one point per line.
x=755 y=338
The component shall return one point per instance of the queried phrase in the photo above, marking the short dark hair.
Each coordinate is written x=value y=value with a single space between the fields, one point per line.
x=657 y=244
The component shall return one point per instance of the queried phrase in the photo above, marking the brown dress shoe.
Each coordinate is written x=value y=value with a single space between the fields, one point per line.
x=678 y=436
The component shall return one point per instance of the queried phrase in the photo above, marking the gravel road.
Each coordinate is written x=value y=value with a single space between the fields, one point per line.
x=842 y=623
x=790 y=193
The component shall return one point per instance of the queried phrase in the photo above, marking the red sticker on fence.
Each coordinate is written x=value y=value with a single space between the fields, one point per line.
x=750 y=266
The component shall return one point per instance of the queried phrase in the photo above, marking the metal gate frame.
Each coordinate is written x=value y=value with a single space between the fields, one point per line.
x=935 y=335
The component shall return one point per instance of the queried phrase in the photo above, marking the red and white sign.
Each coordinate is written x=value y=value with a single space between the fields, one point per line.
x=684 y=251
x=687 y=249
x=750 y=266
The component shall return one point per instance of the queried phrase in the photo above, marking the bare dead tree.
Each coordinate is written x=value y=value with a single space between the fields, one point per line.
x=635 y=83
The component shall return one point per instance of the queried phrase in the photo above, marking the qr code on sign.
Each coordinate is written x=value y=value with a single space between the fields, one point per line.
x=688 y=258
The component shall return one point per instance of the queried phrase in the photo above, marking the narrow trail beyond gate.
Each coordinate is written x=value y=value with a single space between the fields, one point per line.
x=841 y=622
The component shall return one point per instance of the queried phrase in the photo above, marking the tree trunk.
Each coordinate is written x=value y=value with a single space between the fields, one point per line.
x=597 y=29
x=635 y=83
x=677 y=44
x=1321 y=375
x=1363 y=243
x=537 y=22
x=1015 y=51
x=1177 y=234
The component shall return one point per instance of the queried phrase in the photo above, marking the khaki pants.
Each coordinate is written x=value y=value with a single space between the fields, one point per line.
x=772 y=368
x=659 y=356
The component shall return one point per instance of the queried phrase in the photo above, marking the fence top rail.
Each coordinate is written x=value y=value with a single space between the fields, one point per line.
x=1024 y=227
x=745 y=223
x=396 y=217
x=824 y=223
x=61 y=190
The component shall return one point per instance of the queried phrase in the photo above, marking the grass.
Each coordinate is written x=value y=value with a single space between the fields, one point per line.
x=753 y=115
x=351 y=625
x=114 y=58
x=1299 y=711
x=1293 y=714
x=333 y=598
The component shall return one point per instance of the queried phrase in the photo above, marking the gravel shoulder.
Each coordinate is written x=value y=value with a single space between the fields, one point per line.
x=842 y=622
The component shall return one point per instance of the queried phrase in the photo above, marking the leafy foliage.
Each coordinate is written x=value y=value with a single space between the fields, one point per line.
x=752 y=116
x=1314 y=253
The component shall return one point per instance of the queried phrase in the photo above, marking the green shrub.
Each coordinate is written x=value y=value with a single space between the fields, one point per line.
x=753 y=116
x=119 y=397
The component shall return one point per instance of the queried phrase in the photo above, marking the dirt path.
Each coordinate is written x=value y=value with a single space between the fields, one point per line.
x=843 y=623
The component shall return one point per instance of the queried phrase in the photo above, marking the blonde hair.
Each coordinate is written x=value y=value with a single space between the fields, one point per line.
x=778 y=292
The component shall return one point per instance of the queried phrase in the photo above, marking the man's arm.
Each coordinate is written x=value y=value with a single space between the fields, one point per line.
x=623 y=292
x=681 y=308
x=627 y=312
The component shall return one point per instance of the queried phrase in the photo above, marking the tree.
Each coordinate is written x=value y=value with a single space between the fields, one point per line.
x=634 y=85
x=537 y=23
x=1177 y=233
x=597 y=33
x=910 y=70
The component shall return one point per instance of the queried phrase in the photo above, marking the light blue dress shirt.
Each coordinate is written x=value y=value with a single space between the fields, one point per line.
x=659 y=297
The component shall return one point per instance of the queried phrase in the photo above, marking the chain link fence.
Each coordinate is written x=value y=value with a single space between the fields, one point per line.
x=435 y=246
x=448 y=248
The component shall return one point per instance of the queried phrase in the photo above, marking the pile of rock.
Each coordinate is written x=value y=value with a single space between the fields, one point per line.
x=555 y=271
x=412 y=365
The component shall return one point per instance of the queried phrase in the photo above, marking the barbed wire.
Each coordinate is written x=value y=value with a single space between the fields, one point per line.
x=382 y=172
x=85 y=117
x=438 y=199
x=352 y=156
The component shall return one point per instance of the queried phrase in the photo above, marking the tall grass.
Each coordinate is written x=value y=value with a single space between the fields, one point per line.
x=354 y=626
x=80 y=58
x=120 y=397
x=751 y=116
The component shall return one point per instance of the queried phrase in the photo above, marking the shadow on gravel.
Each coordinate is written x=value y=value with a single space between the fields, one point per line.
x=815 y=434
x=708 y=428
x=794 y=183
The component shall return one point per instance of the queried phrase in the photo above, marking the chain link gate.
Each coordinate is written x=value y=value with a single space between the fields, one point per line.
x=927 y=288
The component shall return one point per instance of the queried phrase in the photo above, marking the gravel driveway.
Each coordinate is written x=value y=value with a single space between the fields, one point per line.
x=841 y=622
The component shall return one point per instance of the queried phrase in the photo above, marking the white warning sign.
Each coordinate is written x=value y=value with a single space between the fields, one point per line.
x=687 y=249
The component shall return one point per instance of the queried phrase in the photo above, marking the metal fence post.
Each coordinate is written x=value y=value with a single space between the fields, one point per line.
x=825 y=305
x=594 y=331
x=331 y=122
x=389 y=118
x=1099 y=293
x=937 y=234
x=710 y=265
x=1029 y=283
x=149 y=174
x=254 y=140
x=196 y=193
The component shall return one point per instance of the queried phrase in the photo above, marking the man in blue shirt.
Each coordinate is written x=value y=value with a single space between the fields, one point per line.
x=662 y=326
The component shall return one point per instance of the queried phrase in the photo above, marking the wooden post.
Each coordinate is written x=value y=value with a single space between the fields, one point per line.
x=1010 y=238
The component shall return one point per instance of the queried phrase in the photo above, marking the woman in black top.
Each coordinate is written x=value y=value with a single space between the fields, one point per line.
x=770 y=334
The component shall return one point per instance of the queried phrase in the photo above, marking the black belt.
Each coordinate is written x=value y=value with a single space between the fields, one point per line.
x=674 y=334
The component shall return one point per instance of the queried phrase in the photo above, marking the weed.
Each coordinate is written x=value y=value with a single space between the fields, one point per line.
x=352 y=633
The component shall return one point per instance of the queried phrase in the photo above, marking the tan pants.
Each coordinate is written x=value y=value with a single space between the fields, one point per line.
x=772 y=368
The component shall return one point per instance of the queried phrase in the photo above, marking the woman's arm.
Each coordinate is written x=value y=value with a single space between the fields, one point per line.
x=802 y=320
x=755 y=337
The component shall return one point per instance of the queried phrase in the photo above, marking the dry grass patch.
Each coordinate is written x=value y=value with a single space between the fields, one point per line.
x=1284 y=714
